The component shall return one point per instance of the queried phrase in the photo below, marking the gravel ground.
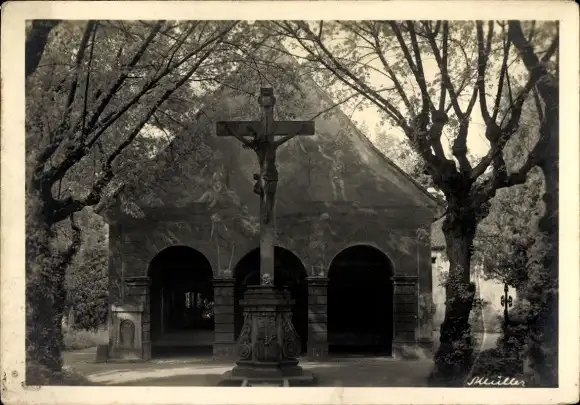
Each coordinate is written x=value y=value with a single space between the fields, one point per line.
x=344 y=371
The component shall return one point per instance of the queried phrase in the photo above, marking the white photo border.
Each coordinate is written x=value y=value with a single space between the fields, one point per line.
x=12 y=256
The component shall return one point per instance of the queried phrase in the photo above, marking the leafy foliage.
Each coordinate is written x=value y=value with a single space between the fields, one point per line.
x=401 y=152
x=504 y=238
x=86 y=277
x=104 y=81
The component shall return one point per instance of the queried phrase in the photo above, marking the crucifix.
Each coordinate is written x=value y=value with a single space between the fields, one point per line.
x=264 y=137
x=506 y=302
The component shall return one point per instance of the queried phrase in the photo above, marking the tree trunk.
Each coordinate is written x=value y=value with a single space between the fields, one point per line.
x=36 y=40
x=45 y=292
x=453 y=359
x=542 y=289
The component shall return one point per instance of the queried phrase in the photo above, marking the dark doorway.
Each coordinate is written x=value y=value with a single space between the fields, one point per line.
x=289 y=273
x=360 y=302
x=181 y=302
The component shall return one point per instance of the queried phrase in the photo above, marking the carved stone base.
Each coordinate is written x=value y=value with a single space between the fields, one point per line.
x=268 y=344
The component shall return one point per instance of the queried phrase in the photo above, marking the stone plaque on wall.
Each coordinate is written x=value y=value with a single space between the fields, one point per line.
x=127 y=334
x=128 y=329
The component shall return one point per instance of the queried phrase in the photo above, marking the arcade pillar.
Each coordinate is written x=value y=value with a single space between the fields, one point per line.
x=130 y=331
x=224 y=345
x=317 y=345
x=405 y=303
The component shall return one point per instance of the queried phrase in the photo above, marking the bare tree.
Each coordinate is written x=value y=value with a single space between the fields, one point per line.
x=472 y=60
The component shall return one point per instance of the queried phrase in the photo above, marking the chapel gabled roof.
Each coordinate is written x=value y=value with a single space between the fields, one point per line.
x=358 y=139
x=382 y=156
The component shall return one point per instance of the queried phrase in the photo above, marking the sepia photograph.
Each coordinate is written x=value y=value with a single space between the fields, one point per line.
x=317 y=202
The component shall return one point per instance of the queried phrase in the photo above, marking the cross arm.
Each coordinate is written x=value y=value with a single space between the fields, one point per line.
x=283 y=140
x=286 y=129
x=238 y=129
x=290 y=129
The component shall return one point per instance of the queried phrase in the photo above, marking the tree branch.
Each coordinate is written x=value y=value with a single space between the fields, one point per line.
x=445 y=77
x=78 y=150
x=76 y=73
x=392 y=74
x=342 y=73
x=425 y=97
x=547 y=89
x=110 y=93
x=101 y=127
x=444 y=63
x=59 y=133
x=36 y=40
x=483 y=55
x=417 y=66
x=499 y=136
x=68 y=255
x=355 y=94
x=487 y=190
x=71 y=205
x=538 y=104
x=87 y=81
x=503 y=72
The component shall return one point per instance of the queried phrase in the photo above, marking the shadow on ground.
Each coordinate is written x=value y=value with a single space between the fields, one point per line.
x=202 y=370
x=341 y=371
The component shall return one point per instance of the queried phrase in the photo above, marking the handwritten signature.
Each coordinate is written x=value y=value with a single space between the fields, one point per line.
x=499 y=381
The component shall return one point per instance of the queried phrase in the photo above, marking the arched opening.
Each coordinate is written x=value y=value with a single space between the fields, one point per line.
x=181 y=302
x=289 y=273
x=360 y=302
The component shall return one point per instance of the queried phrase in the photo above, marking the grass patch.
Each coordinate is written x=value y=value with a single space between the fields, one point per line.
x=497 y=362
x=83 y=339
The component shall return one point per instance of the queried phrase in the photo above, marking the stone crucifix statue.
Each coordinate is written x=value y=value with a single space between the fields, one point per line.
x=261 y=137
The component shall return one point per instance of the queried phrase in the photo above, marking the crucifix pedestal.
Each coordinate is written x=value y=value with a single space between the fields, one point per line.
x=268 y=344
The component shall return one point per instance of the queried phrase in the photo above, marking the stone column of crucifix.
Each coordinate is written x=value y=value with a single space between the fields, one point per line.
x=261 y=137
x=267 y=345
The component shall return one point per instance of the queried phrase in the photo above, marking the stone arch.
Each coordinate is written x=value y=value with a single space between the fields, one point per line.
x=161 y=243
x=181 y=300
x=288 y=272
x=387 y=253
x=360 y=301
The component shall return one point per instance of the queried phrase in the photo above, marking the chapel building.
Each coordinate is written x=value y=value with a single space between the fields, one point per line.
x=352 y=241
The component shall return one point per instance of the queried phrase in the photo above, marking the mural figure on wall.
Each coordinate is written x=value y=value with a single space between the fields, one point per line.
x=213 y=194
x=319 y=240
x=224 y=242
x=217 y=191
x=249 y=223
x=336 y=173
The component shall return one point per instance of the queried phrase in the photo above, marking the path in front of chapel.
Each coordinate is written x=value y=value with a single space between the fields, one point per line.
x=200 y=371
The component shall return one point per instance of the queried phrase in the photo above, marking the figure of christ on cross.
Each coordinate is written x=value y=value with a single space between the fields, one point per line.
x=260 y=136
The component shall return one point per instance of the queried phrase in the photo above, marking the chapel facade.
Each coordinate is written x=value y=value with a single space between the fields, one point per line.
x=352 y=241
